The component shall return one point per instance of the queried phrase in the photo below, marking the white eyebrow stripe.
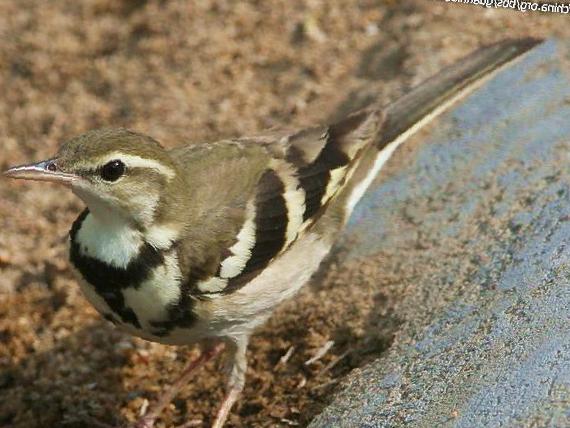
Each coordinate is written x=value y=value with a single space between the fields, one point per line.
x=139 y=162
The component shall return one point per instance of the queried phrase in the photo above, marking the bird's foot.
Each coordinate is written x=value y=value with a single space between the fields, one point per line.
x=148 y=419
x=145 y=422
x=224 y=411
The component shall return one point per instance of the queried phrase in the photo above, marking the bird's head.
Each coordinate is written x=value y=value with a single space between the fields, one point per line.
x=116 y=172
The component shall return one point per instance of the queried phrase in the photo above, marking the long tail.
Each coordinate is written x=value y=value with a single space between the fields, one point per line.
x=404 y=117
x=437 y=94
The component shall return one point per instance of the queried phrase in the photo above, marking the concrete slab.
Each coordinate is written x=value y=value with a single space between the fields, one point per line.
x=485 y=336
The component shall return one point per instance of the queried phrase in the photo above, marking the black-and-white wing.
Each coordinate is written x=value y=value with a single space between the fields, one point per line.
x=301 y=173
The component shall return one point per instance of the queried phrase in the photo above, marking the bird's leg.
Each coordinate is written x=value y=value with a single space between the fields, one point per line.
x=147 y=421
x=236 y=366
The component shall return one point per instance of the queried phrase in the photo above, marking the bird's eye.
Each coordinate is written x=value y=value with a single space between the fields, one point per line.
x=112 y=170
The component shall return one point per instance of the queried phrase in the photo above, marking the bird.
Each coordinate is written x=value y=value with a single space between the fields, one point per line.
x=199 y=243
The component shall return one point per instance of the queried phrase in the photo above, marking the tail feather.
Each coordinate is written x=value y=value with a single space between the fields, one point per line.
x=407 y=115
x=431 y=98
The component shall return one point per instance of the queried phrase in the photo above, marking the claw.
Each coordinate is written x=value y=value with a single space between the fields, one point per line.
x=148 y=420
x=145 y=422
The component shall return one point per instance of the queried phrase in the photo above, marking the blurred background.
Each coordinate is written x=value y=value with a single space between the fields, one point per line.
x=186 y=71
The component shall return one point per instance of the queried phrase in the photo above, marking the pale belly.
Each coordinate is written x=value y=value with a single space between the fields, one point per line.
x=220 y=315
x=237 y=314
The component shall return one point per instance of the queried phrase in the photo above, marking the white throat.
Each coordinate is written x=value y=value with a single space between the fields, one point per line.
x=108 y=236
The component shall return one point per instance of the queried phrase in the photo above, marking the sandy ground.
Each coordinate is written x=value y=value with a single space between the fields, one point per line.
x=194 y=71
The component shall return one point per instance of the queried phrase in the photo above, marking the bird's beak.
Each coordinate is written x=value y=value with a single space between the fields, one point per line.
x=41 y=171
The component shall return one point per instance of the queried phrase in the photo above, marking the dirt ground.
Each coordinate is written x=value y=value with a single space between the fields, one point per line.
x=193 y=71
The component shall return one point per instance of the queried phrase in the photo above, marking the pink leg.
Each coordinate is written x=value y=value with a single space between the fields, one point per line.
x=229 y=400
x=148 y=420
x=236 y=367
